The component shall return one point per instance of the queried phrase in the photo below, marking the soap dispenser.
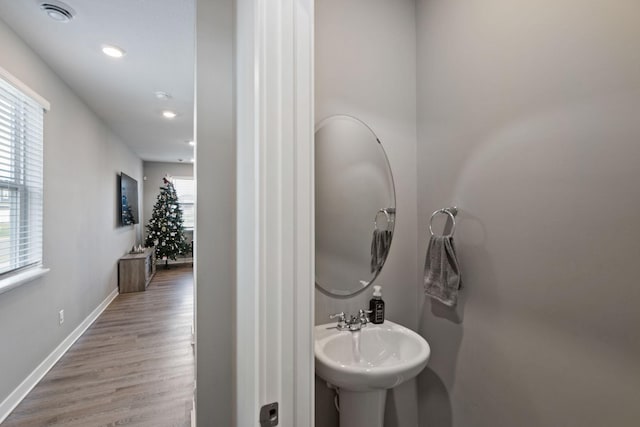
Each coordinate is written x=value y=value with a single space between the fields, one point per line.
x=376 y=305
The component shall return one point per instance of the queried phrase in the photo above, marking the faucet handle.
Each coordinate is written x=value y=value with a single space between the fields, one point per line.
x=364 y=316
x=340 y=316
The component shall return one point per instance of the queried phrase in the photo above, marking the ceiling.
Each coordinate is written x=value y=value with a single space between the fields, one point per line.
x=159 y=41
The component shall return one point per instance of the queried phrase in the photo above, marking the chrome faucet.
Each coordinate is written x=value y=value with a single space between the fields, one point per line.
x=353 y=323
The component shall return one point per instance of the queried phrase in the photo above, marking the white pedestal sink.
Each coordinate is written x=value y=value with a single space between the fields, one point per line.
x=365 y=364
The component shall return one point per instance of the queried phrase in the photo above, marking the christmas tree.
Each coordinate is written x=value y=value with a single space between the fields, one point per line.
x=165 y=230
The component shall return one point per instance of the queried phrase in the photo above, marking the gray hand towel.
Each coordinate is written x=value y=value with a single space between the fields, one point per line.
x=441 y=271
x=380 y=243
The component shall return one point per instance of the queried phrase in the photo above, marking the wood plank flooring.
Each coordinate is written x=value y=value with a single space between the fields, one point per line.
x=133 y=366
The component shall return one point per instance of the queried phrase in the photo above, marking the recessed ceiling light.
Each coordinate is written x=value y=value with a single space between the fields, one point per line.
x=162 y=95
x=193 y=160
x=58 y=11
x=112 y=51
x=167 y=114
x=191 y=143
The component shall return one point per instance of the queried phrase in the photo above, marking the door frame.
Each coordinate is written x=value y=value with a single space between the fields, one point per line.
x=275 y=210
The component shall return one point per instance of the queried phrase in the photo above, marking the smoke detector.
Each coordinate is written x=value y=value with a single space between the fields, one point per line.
x=58 y=11
x=162 y=95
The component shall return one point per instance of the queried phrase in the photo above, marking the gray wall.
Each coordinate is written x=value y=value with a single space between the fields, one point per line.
x=215 y=212
x=365 y=67
x=153 y=173
x=82 y=239
x=529 y=121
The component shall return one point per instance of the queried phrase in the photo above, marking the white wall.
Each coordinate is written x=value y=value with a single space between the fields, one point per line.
x=215 y=215
x=365 y=67
x=82 y=239
x=529 y=121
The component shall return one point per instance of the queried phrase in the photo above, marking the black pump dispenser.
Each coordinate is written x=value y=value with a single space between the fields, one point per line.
x=376 y=305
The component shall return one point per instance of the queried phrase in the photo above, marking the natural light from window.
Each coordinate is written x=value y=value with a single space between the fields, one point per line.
x=186 y=197
x=21 y=180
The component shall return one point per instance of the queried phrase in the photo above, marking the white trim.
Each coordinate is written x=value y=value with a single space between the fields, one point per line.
x=178 y=261
x=247 y=342
x=275 y=244
x=15 y=280
x=17 y=395
x=193 y=411
x=25 y=89
x=304 y=208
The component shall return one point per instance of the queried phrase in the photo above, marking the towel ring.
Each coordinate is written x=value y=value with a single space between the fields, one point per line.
x=451 y=215
x=387 y=217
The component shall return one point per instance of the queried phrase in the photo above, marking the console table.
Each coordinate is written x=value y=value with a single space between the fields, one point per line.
x=135 y=271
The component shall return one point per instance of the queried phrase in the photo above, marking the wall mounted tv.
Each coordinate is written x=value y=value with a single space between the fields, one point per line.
x=128 y=200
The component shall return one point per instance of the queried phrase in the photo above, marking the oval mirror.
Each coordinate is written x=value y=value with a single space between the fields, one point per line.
x=355 y=206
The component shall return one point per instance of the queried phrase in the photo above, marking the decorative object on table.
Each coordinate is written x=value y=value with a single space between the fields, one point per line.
x=165 y=229
x=136 y=249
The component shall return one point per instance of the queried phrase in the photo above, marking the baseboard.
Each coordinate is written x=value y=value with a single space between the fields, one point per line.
x=16 y=396
x=161 y=262
x=193 y=405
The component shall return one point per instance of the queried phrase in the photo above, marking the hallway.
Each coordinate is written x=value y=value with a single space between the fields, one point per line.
x=133 y=366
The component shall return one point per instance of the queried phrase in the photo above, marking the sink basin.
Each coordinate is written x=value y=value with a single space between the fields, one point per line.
x=363 y=365
x=377 y=357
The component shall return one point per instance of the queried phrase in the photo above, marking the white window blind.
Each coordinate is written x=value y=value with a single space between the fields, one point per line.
x=21 y=180
x=186 y=197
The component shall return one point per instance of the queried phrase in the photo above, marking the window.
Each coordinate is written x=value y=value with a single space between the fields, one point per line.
x=21 y=176
x=186 y=197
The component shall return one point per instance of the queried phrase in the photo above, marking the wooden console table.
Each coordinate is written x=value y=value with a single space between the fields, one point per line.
x=135 y=271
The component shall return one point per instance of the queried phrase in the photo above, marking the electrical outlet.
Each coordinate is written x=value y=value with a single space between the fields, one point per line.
x=61 y=317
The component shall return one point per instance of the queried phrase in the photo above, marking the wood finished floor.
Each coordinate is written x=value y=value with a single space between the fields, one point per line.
x=133 y=366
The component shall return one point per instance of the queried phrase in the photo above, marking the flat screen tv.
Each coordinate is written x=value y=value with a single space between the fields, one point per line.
x=128 y=200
